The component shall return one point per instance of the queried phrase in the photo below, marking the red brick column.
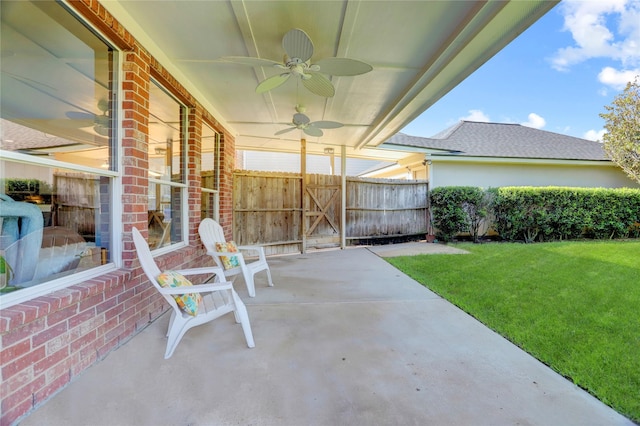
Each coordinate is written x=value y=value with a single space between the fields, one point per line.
x=227 y=164
x=194 y=168
x=135 y=142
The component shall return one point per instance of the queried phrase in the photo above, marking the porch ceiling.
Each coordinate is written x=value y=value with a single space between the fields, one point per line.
x=419 y=51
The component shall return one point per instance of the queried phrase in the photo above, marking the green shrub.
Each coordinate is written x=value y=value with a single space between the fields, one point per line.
x=554 y=213
x=458 y=209
x=21 y=189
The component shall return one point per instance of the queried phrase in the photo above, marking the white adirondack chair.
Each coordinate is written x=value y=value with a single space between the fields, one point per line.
x=217 y=299
x=211 y=233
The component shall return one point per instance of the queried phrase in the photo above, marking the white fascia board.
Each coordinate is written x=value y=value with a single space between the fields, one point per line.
x=410 y=148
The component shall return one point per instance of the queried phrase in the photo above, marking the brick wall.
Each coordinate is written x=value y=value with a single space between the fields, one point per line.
x=227 y=164
x=48 y=341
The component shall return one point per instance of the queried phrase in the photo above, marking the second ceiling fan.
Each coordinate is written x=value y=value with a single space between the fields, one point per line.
x=99 y=122
x=311 y=128
x=298 y=49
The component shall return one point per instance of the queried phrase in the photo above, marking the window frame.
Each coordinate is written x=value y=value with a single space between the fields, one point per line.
x=183 y=186
x=216 y=169
x=114 y=173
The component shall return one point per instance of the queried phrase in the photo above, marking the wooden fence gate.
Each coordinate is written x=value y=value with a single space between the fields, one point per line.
x=322 y=207
x=289 y=214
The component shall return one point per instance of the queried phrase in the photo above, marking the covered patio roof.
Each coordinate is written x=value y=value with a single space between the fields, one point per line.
x=419 y=50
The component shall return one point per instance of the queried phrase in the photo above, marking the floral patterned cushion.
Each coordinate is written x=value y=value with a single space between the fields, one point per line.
x=228 y=262
x=188 y=302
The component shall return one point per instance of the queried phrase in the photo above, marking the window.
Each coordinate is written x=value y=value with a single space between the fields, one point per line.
x=58 y=150
x=210 y=173
x=167 y=134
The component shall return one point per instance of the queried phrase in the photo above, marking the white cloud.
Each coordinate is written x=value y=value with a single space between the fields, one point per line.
x=600 y=29
x=595 y=135
x=617 y=79
x=476 y=115
x=535 y=121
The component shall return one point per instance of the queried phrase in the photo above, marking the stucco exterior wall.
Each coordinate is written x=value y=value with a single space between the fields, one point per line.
x=486 y=175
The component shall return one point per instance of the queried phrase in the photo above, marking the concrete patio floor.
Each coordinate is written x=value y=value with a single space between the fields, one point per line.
x=342 y=339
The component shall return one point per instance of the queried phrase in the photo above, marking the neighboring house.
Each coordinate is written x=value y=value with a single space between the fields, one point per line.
x=496 y=154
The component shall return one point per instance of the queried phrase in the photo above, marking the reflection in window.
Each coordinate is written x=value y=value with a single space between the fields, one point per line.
x=166 y=174
x=53 y=227
x=56 y=145
x=210 y=173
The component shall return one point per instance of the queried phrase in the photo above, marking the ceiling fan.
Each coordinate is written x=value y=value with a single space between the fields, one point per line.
x=100 y=122
x=302 y=122
x=298 y=49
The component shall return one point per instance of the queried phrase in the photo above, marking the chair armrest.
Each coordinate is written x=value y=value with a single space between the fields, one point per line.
x=223 y=253
x=202 y=271
x=252 y=248
x=198 y=288
x=255 y=248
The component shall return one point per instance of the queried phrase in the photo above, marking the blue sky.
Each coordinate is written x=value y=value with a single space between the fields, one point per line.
x=557 y=76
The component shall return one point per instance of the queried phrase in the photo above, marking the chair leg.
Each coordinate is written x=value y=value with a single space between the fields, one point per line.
x=171 y=320
x=178 y=329
x=241 y=312
x=269 y=277
x=251 y=287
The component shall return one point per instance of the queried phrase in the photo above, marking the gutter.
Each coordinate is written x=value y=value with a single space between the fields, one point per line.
x=440 y=158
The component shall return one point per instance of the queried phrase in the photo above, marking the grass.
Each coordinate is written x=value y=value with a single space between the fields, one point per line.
x=575 y=306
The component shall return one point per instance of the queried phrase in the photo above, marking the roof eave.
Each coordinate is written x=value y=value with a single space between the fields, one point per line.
x=485 y=33
x=519 y=160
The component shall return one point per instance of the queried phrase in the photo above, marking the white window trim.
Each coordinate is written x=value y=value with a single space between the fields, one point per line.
x=29 y=293
x=184 y=226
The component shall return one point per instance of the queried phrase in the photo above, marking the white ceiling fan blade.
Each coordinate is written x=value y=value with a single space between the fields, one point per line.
x=319 y=84
x=313 y=131
x=272 y=82
x=71 y=124
x=280 y=132
x=76 y=115
x=299 y=119
x=297 y=44
x=252 y=62
x=77 y=120
x=343 y=66
x=327 y=124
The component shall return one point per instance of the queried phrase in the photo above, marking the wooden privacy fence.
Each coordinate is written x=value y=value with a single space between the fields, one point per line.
x=76 y=203
x=386 y=208
x=267 y=209
x=287 y=214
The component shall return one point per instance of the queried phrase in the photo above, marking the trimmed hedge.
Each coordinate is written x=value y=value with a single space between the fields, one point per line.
x=540 y=214
x=459 y=209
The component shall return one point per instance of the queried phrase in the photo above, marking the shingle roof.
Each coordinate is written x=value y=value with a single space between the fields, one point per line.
x=476 y=139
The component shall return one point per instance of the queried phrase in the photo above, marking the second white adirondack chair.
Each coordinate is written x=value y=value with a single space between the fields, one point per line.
x=211 y=233
x=217 y=299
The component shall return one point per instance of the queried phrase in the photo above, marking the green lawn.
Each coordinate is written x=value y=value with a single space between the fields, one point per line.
x=573 y=305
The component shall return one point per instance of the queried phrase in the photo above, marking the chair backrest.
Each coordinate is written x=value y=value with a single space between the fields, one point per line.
x=146 y=258
x=210 y=233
